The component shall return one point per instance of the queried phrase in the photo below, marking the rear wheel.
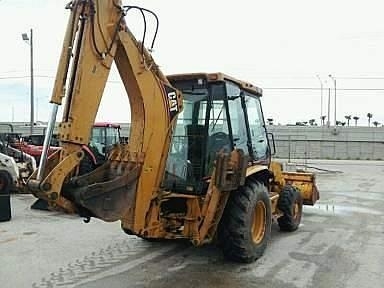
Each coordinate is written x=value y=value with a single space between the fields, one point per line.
x=245 y=227
x=290 y=203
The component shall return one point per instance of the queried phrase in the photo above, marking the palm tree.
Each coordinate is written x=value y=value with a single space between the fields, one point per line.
x=348 y=117
x=323 y=120
x=369 y=115
x=375 y=123
x=356 y=118
x=312 y=122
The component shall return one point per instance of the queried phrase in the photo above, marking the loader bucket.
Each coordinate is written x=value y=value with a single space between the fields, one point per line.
x=305 y=182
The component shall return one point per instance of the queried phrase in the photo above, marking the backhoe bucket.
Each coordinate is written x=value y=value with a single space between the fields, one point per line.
x=109 y=198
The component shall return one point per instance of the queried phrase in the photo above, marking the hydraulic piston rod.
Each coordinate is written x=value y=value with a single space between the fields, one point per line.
x=47 y=141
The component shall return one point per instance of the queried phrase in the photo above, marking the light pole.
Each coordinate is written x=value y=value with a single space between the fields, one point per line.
x=321 y=96
x=29 y=40
x=329 y=108
x=334 y=84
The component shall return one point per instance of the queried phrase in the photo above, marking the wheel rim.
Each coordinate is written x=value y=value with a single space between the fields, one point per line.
x=259 y=219
x=296 y=210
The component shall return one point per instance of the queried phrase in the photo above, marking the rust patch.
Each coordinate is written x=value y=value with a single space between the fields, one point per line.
x=8 y=240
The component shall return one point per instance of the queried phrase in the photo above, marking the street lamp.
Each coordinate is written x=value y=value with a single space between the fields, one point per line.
x=334 y=84
x=329 y=108
x=321 y=96
x=29 y=40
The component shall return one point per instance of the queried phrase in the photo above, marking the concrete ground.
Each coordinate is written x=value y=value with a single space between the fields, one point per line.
x=340 y=243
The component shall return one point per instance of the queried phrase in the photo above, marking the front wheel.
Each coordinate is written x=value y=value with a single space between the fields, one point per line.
x=290 y=203
x=245 y=227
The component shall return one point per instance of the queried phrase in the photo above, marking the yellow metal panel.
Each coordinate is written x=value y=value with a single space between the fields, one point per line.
x=306 y=183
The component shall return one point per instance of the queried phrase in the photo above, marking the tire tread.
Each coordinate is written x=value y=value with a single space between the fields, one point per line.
x=234 y=232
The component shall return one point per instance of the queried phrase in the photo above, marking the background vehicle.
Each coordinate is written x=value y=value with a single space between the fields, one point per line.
x=15 y=167
x=196 y=173
x=103 y=136
x=33 y=145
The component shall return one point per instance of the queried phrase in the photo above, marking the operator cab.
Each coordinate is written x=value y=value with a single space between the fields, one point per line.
x=220 y=114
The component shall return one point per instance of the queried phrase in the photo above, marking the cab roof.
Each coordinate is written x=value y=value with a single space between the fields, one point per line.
x=217 y=76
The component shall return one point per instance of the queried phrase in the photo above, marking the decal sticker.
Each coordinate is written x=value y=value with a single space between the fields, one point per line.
x=172 y=101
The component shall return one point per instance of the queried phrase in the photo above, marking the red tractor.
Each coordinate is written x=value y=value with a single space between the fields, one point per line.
x=33 y=145
x=103 y=136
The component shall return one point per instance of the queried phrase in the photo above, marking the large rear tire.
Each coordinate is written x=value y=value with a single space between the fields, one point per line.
x=290 y=203
x=245 y=227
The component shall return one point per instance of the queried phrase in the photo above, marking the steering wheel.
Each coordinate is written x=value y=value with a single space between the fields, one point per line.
x=218 y=141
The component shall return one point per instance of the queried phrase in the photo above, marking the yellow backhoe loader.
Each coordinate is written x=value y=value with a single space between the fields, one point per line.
x=198 y=162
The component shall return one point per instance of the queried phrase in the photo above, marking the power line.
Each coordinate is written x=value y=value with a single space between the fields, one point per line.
x=296 y=77
x=43 y=76
x=264 y=88
x=324 y=89
x=11 y=71
x=13 y=77
x=23 y=77
x=362 y=78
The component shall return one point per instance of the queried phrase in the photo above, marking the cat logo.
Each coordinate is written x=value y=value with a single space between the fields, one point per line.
x=172 y=99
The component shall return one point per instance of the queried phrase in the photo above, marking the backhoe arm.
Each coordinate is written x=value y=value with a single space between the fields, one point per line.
x=122 y=188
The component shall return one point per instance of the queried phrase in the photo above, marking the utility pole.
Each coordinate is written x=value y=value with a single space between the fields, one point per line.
x=329 y=108
x=321 y=96
x=29 y=40
x=334 y=85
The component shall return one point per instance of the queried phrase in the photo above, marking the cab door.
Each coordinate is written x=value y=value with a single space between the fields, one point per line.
x=257 y=130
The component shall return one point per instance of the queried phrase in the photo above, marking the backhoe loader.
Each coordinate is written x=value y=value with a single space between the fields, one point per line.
x=198 y=162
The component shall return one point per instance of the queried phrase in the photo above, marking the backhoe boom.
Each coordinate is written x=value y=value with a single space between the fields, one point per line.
x=97 y=36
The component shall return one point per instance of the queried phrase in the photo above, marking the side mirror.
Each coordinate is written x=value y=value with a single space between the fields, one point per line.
x=271 y=138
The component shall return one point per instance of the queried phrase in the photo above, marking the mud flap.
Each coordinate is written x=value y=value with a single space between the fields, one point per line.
x=230 y=170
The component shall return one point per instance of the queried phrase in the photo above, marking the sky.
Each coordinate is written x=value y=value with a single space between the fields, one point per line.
x=287 y=48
